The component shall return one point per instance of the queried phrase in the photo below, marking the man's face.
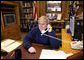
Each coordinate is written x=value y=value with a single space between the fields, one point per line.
x=42 y=25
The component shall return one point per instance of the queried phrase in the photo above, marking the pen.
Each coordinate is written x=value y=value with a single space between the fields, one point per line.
x=12 y=54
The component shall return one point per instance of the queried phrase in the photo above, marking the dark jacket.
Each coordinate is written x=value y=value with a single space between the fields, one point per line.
x=34 y=36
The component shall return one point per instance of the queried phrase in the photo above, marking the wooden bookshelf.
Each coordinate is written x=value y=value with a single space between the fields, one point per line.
x=57 y=26
x=26 y=8
x=11 y=31
x=52 y=13
x=79 y=12
x=26 y=14
x=53 y=9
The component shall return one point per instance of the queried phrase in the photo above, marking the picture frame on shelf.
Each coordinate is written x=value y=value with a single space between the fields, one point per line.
x=59 y=16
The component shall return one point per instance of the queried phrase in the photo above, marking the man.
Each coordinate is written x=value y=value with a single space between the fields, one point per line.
x=35 y=36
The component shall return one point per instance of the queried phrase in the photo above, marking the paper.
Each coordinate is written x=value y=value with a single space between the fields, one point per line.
x=11 y=47
x=6 y=43
x=52 y=54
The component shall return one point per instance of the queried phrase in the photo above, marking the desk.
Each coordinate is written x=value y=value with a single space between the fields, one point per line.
x=26 y=54
x=66 y=47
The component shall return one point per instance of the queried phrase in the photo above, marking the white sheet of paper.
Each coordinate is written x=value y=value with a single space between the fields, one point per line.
x=11 y=47
x=52 y=54
x=6 y=43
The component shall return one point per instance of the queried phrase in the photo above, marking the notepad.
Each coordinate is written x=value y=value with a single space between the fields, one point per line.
x=52 y=54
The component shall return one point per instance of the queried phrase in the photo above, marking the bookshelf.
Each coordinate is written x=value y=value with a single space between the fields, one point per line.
x=57 y=26
x=10 y=20
x=79 y=17
x=53 y=12
x=26 y=8
x=53 y=8
x=76 y=10
x=79 y=12
x=26 y=13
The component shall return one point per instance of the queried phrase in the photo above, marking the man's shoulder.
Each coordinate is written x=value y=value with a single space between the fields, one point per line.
x=35 y=28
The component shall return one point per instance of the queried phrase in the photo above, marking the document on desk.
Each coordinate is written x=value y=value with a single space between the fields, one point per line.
x=6 y=43
x=52 y=54
x=11 y=47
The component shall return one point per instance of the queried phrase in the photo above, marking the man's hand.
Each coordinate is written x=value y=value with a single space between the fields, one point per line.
x=32 y=50
x=49 y=28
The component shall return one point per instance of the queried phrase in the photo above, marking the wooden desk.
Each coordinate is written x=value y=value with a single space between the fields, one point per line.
x=66 y=47
x=26 y=54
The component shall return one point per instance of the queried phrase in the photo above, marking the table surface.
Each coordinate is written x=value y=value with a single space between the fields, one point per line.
x=66 y=47
x=26 y=54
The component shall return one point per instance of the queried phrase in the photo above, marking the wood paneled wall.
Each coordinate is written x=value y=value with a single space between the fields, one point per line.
x=41 y=9
x=41 y=6
x=65 y=9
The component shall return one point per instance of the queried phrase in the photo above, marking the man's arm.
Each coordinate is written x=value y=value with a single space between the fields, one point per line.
x=27 y=40
x=54 y=43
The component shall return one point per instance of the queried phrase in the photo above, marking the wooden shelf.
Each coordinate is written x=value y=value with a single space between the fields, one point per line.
x=12 y=30
x=58 y=33
x=25 y=18
x=28 y=12
x=59 y=21
x=79 y=4
x=82 y=36
x=8 y=8
x=9 y=12
x=57 y=26
x=27 y=7
x=80 y=10
x=53 y=12
x=79 y=19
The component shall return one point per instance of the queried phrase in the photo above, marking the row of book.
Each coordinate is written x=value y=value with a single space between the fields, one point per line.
x=57 y=24
x=29 y=16
x=28 y=10
x=27 y=4
x=28 y=24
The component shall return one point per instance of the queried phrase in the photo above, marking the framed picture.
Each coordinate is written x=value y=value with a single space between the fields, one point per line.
x=59 y=16
x=53 y=6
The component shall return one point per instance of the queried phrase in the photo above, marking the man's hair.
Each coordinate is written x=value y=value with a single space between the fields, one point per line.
x=44 y=18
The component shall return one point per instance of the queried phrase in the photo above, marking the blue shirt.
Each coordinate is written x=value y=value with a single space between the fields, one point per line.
x=34 y=36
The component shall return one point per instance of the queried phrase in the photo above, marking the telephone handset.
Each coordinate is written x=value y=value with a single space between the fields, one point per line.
x=44 y=31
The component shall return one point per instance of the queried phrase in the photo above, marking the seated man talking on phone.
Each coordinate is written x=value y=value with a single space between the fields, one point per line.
x=34 y=36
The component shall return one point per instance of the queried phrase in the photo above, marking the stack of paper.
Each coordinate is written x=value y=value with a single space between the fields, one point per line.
x=52 y=54
x=6 y=43
x=11 y=47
